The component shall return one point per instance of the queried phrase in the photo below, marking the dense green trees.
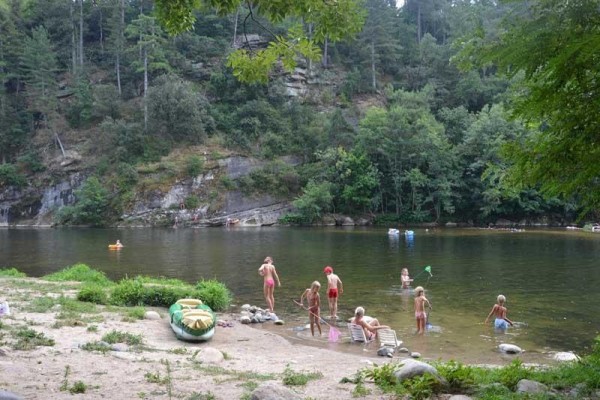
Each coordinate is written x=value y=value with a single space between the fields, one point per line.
x=389 y=126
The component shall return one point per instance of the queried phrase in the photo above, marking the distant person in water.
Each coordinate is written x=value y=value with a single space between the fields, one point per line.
x=268 y=272
x=405 y=279
x=314 y=306
x=334 y=289
x=420 y=314
x=501 y=321
x=118 y=244
x=369 y=325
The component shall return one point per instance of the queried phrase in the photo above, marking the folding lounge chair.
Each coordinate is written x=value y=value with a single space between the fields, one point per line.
x=387 y=338
x=357 y=333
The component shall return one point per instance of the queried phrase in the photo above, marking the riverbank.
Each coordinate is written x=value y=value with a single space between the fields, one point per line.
x=234 y=362
x=49 y=348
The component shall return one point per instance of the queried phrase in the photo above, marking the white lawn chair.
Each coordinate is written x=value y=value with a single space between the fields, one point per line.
x=357 y=333
x=387 y=338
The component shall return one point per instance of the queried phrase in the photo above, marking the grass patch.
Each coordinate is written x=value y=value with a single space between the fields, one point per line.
x=28 y=339
x=66 y=304
x=12 y=273
x=96 y=346
x=233 y=374
x=293 y=378
x=79 y=273
x=122 y=337
x=92 y=328
x=201 y=396
x=179 y=350
x=93 y=294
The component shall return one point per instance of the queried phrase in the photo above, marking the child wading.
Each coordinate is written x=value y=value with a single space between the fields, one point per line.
x=499 y=312
x=314 y=306
x=405 y=279
x=267 y=270
x=420 y=314
x=334 y=289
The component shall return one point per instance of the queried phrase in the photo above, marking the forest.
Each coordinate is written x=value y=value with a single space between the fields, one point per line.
x=424 y=111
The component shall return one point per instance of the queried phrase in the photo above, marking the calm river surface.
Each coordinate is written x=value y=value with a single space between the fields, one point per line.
x=550 y=277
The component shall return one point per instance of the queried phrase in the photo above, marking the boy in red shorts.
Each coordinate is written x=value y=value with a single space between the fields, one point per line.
x=334 y=289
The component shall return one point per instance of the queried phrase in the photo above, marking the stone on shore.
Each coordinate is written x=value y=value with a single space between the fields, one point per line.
x=565 y=356
x=411 y=368
x=529 y=386
x=510 y=348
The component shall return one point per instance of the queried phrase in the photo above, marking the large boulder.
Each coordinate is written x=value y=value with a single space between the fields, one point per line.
x=528 y=386
x=411 y=368
x=510 y=348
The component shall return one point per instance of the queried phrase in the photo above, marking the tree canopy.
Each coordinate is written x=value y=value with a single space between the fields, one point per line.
x=550 y=49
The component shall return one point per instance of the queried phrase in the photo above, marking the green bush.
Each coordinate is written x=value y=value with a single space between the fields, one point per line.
x=128 y=292
x=9 y=176
x=12 y=272
x=194 y=166
x=459 y=376
x=214 y=294
x=79 y=273
x=191 y=202
x=93 y=294
x=164 y=296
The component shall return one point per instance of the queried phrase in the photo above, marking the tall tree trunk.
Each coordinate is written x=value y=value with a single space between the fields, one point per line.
x=373 y=75
x=324 y=61
x=73 y=40
x=145 y=89
x=235 y=24
x=81 y=33
x=101 y=32
x=419 y=27
x=120 y=41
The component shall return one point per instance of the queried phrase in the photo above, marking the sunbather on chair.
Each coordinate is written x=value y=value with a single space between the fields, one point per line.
x=371 y=327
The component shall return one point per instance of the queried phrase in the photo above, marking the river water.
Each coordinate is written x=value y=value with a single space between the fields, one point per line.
x=550 y=277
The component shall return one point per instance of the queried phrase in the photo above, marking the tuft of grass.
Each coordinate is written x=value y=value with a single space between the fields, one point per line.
x=179 y=350
x=92 y=328
x=136 y=313
x=28 y=339
x=79 y=273
x=122 y=337
x=201 y=396
x=93 y=294
x=78 y=387
x=12 y=273
x=96 y=346
x=293 y=378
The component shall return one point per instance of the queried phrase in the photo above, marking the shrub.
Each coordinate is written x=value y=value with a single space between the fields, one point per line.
x=9 y=176
x=79 y=273
x=214 y=293
x=164 y=296
x=459 y=376
x=194 y=166
x=128 y=292
x=191 y=202
x=12 y=272
x=92 y=294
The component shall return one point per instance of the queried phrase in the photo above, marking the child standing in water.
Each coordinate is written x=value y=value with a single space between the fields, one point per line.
x=420 y=314
x=314 y=306
x=334 y=283
x=267 y=270
x=405 y=279
x=499 y=312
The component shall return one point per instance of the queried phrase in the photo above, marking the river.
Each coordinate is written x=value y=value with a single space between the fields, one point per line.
x=550 y=277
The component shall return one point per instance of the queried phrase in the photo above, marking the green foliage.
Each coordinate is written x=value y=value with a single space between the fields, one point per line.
x=508 y=376
x=421 y=387
x=28 y=339
x=9 y=176
x=93 y=294
x=316 y=200
x=177 y=112
x=91 y=207
x=79 y=273
x=115 y=336
x=460 y=377
x=194 y=166
x=214 y=294
x=293 y=378
x=12 y=272
x=191 y=202
x=383 y=375
x=78 y=387
x=102 y=347
x=128 y=292
x=280 y=178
